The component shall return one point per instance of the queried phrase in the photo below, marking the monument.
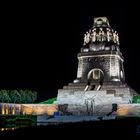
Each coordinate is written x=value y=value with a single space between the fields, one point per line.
x=100 y=81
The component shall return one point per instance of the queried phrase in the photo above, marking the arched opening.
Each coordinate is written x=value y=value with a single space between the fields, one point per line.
x=95 y=75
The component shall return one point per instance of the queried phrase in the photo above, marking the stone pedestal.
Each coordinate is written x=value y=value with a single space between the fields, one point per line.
x=91 y=102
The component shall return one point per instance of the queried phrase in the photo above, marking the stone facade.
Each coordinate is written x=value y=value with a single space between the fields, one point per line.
x=128 y=110
x=100 y=78
x=90 y=102
x=29 y=109
x=101 y=55
x=109 y=62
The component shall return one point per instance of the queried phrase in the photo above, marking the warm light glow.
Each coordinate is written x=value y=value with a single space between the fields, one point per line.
x=3 y=111
x=13 y=128
x=5 y=129
x=51 y=110
x=27 y=110
x=39 y=109
x=122 y=111
x=2 y=129
x=13 y=111
x=7 y=111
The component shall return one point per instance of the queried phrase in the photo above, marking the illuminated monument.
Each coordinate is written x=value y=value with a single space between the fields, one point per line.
x=100 y=78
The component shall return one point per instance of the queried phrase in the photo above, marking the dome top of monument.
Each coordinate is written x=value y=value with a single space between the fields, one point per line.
x=101 y=21
x=101 y=32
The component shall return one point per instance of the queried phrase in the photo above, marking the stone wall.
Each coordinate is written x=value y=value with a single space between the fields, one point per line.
x=39 y=109
x=71 y=109
x=34 y=109
x=85 y=110
x=128 y=110
x=100 y=110
x=96 y=97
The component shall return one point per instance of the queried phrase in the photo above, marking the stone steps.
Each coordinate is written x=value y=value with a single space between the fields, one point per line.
x=82 y=87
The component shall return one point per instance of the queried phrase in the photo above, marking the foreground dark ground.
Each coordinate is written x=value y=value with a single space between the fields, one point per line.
x=108 y=128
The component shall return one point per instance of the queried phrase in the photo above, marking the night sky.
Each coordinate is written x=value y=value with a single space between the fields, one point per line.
x=40 y=41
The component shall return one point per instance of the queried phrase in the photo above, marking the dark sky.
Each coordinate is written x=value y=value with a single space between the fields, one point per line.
x=40 y=42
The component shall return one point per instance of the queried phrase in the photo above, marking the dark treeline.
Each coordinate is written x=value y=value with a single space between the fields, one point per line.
x=17 y=96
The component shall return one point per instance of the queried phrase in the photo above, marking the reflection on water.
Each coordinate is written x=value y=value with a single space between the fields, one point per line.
x=13 y=127
x=122 y=127
x=7 y=129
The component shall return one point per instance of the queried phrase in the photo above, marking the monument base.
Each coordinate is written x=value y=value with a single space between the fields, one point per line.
x=80 y=102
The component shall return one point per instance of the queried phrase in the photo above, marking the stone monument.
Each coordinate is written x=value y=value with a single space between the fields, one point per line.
x=100 y=78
